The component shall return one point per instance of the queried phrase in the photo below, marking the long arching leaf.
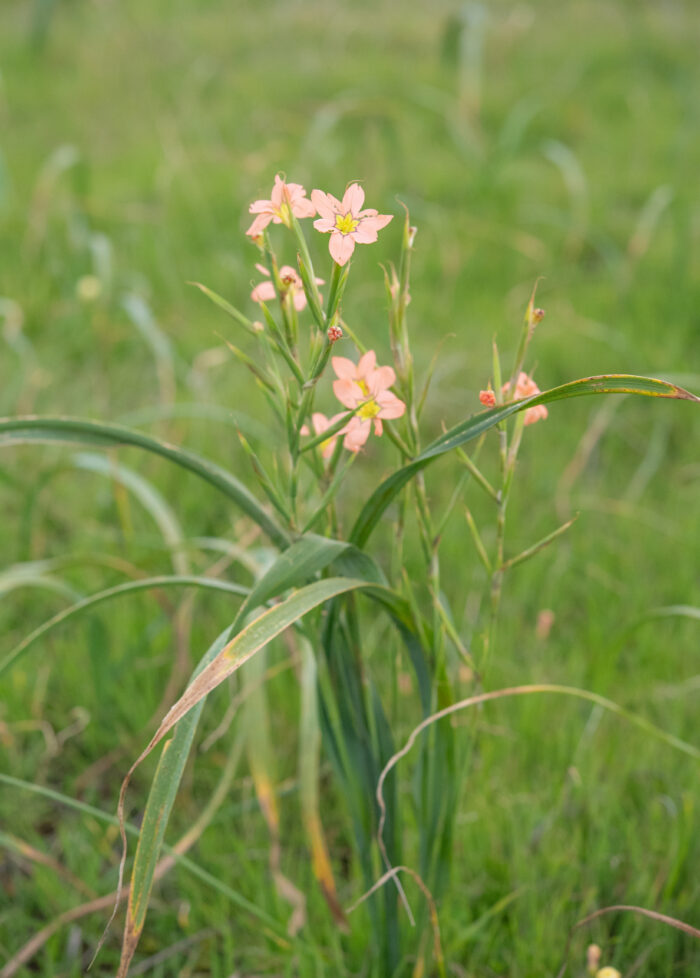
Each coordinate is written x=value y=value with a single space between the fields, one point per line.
x=473 y=427
x=147 y=584
x=161 y=797
x=98 y=434
x=209 y=675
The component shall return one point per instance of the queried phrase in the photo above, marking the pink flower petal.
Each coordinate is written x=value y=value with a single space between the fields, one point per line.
x=537 y=413
x=357 y=433
x=324 y=224
x=391 y=406
x=263 y=292
x=261 y=207
x=344 y=369
x=262 y=269
x=303 y=208
x=277 y=195
x=341 y=247
x=320 y=422
x=348 y=392
x=381 y=379
x=326 y=204
x=293 y=192
x=353 y=199
x=299 y=299
x=373 y=221
x=378 y=427
x=364 y=235
x=366 y=364
x=259 y=225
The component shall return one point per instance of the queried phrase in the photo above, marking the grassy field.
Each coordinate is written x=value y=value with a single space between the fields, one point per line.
x=527 y=139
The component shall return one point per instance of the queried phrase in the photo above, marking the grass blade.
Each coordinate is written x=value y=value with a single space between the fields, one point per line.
x=25 y=430
x=155 y=820
x=146 y=584
x=473 y=427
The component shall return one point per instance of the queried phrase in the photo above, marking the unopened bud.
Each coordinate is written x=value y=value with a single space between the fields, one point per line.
x=258 y=326
x=412 y=231
x=537 y=315
x=608 y=973
x=335 y=333
x=592 y=958
x=545 y=620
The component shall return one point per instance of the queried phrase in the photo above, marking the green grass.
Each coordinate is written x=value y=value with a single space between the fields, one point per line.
x=579 y=164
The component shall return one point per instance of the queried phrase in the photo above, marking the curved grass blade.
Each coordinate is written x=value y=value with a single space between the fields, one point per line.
x=473 y=427
x=36 y=574
x=309 y=776
x=227 y=660
x=497 y=694
x=250 y=640
x=148 y=496
x=161 y=798
x=24 y=430
x=228 y=308
x=198 y=412
x=146 y=584
x=296 y=565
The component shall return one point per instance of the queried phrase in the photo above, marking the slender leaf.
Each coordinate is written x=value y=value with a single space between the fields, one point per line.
x=160 y=801
x=148 y=496
x=250 y=640
x=146 y=584
x=295 y=566
x=473 y=427
x=24 y=430
x=228 y=308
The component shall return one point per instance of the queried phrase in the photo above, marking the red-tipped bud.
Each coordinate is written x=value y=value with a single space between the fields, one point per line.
x=335 y=333
x=537 y=315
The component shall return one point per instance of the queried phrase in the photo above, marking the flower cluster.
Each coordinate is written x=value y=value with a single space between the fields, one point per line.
x=524 y=387
x=292 y=285
x=345 y=220
x=364 y=388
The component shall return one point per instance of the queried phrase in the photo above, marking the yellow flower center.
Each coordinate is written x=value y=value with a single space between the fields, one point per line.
x=284 y=213
x=346 y=223
x=370 y=409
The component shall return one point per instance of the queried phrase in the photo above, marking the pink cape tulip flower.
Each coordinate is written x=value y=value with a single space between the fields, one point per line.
x=365 y=387
x=320 y=424
x=346 y=222
x=286 y=199
x=524 y=387
x=291 y=284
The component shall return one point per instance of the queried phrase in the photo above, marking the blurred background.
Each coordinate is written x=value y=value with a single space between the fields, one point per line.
x=527 y=139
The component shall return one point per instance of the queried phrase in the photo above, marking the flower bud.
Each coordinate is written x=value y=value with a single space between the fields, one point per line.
x=593 y=958
x=335 y=333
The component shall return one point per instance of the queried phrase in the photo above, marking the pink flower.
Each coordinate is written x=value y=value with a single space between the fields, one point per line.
x=346 y=222
x=291 y=284
x=487 y=398
x=320 y=423
x=365 y=386
x=526 y=387
x=286 y=199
